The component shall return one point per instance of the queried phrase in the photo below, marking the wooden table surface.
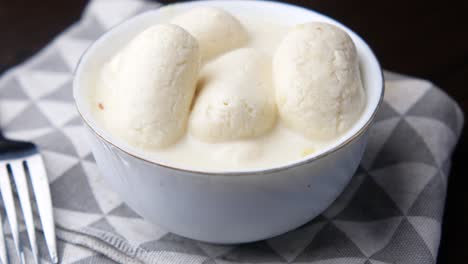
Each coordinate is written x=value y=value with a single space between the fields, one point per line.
x=428 y=39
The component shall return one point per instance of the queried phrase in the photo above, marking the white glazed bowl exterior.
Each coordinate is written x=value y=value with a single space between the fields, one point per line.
x=225 y=207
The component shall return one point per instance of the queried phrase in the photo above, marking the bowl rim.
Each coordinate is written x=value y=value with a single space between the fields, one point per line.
x=292 y=164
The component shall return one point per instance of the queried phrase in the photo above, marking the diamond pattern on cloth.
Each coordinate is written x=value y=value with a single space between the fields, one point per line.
x=391 y=212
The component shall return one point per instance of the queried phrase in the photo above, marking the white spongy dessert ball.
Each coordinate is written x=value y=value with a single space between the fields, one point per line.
x=236 y=99
x=216 y=30
x=149 y=85
x=317 y=81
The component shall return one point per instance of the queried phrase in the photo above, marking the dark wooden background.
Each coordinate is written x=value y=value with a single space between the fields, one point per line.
x=428 y=39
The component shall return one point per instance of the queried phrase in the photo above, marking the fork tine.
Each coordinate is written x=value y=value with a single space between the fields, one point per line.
x=23 y=193
x=9 y=202
x=3 y=250
x=40 y=186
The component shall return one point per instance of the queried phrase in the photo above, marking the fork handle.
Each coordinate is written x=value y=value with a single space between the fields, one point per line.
x=12 y=146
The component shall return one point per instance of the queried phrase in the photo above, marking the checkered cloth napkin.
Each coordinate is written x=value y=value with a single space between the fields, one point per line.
x=390 y=213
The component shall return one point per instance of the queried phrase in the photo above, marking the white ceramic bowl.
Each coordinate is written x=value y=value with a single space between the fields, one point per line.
x=226 y=207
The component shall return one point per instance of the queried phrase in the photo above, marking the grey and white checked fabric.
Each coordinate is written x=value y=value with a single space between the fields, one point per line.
x=390 y=213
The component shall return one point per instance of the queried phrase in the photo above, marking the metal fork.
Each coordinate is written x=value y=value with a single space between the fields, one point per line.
x=21 y=160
